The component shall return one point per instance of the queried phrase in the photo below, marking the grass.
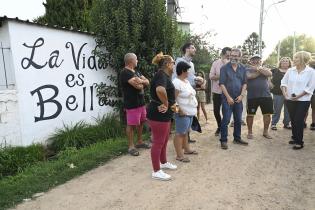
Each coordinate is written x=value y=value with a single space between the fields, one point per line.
x=43 y=176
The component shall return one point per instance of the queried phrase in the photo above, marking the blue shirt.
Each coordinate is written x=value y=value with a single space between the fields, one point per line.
x=233 y=80
x=258 y=87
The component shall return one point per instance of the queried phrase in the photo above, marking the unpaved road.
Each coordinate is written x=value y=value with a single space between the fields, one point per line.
x=267 y=174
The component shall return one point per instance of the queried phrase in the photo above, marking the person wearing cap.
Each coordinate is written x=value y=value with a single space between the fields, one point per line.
x=185 y=96
x=258 y=95
x=233 y=84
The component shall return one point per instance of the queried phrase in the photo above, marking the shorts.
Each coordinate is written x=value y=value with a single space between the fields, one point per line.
x=182 y=123
x=136 y=116
x=265 y=104
x=201 y=96
x=313 y=101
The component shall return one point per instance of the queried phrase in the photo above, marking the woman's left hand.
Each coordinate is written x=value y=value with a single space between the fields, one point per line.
x=162 y=108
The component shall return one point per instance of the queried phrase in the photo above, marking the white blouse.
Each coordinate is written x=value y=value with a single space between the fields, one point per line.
x=297 y=83
x=186 y=98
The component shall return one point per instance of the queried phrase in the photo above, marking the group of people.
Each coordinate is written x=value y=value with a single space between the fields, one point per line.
x=177 y=93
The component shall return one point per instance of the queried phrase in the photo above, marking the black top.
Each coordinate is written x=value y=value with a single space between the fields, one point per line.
x=161 y=79
x=133 y=97
x=277 y=76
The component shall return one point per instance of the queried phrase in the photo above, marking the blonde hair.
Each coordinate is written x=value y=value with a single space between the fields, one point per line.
x=161 y=60
x=304 y=56
x=283 y=58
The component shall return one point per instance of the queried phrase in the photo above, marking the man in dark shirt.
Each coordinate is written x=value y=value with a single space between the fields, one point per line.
x=233 y=84
x=133 y=84
x=258 y=95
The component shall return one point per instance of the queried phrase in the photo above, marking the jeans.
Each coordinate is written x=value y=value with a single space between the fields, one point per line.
x=217 y=102
x=297 y=111
x=227 y=110
x=278 y=102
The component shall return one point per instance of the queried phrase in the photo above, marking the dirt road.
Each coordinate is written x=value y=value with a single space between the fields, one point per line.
x=267 y=174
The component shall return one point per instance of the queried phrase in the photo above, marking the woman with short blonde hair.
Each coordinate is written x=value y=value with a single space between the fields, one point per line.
x=297 y=86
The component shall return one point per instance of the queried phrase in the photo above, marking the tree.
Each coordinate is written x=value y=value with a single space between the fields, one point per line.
x=251 y=44
x=302 y=42
x=138 y=26
x=70 y=14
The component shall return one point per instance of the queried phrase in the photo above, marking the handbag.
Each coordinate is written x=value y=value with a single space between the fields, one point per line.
x=195 y=125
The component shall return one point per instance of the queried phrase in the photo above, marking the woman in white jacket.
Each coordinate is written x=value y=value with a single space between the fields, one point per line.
x=297 y=87
x=185 y=96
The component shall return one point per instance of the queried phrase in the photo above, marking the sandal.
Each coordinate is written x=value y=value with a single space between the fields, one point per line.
x=143 y=145
x=184 y=160
x=250 y=136
x=133 y=152
x=193 y=152
x=267 y=136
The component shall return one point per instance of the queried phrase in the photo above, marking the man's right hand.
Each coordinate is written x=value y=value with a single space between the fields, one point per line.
x=230 y=100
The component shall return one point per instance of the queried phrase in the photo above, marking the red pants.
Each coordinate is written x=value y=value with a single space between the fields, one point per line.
x=160 y=134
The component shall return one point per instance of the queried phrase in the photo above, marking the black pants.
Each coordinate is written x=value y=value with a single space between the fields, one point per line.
x=297 y=111
x=217 y=102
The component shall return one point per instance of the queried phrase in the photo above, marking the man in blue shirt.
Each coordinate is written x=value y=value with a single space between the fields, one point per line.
x=233 y=84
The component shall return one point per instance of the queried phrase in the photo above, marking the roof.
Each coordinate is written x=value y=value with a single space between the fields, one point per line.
x=16 y=19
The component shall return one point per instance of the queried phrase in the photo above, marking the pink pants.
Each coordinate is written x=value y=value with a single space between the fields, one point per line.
x=160 y=133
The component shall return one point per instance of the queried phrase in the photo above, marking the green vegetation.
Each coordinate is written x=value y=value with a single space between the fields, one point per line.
x=45 y=175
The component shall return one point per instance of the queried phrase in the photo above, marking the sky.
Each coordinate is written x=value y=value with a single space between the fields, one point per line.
x=234 y=20
x=231 y=20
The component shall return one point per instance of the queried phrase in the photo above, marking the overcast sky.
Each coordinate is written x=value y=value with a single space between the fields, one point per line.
x=232 y=20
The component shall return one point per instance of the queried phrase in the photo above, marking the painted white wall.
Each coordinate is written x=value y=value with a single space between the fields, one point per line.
x=53 y=48
x=10 y=133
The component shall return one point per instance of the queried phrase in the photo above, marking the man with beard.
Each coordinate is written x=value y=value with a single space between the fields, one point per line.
x=233 y=84
x=189 y=52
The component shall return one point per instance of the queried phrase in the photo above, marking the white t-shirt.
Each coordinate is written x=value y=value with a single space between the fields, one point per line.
x=186 y=98
x=298 y=82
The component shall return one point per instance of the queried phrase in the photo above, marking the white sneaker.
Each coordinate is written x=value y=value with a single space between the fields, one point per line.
x=168 y=165
x=160 y=175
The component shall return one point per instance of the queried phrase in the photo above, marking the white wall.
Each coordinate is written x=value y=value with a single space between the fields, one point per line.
x=51 y=89
x=10 y=133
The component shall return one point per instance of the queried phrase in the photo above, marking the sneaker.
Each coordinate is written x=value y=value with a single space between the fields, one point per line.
x=312 y=126
x=243 y=123
x=240 y=141
x=232 y=124
x=224 y=145
x=168 y=165
x=160 y=175
x=274 y=127
x=217 y=132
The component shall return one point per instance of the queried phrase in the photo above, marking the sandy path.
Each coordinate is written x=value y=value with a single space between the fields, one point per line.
x=267 y=174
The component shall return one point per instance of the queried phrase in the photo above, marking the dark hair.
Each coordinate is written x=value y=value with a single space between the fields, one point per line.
x=181 y=67
x=186 y=46
x=225 y=49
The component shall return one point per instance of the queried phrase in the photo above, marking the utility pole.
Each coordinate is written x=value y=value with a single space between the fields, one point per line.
x=261 y=19
x=171 y=5
x=279 y=46
x=294 y=45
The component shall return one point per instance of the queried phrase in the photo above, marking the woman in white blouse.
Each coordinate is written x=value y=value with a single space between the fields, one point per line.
x=185 y=97
x=297 y=87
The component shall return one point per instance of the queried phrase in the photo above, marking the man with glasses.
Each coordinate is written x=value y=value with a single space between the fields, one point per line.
x=233 y=84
